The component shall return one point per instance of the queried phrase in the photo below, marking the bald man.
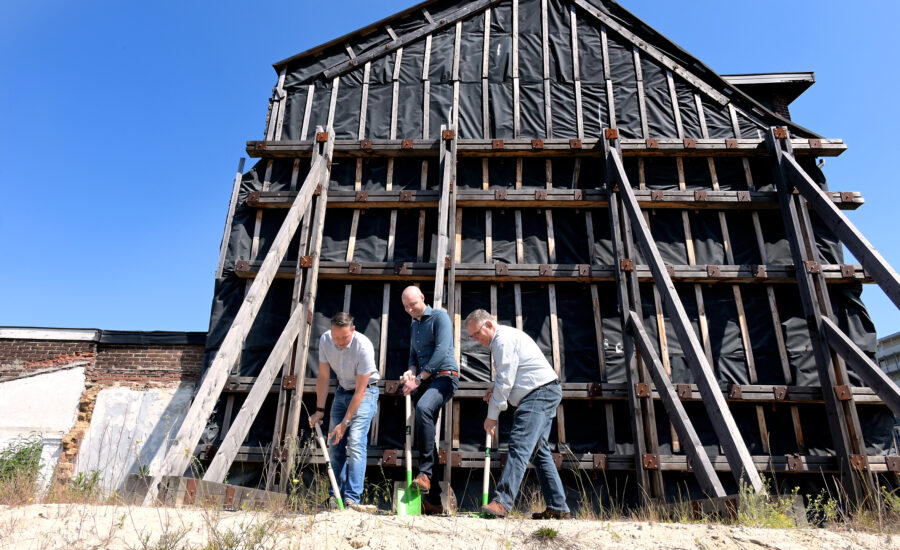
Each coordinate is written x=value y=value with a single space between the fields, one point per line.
x=434 y=375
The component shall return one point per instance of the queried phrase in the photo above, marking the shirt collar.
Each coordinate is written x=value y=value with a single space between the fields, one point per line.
x=428 y=311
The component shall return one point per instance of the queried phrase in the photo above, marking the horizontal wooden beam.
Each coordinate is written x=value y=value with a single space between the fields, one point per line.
x=696 y=147
x=549 y=198
x=500 y=272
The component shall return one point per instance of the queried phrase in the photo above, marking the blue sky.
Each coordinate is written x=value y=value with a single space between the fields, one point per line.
x=121 y=125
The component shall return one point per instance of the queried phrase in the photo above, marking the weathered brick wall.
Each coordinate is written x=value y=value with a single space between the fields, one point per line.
x=148 y=365
x=28 y=357
x=780 y=106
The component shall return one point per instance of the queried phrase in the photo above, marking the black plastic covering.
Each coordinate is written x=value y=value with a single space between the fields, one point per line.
x=587 y=353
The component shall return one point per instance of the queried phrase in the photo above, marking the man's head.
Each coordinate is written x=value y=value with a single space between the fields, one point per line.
x=481 y=327
x=342 y=329
x=413 y=302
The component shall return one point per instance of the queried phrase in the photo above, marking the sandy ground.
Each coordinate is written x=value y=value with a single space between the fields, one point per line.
x=76 y=526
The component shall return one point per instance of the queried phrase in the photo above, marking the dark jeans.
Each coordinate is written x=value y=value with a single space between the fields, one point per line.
x=435 y=395
x=532 y=420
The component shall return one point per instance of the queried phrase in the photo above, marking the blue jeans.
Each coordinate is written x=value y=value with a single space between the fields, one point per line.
x=348 y=456
x=435 y=396
x=530 y=433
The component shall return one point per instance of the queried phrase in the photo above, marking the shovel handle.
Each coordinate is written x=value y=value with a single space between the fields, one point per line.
x=334 y=485
x=487 y=469
x=407 y=457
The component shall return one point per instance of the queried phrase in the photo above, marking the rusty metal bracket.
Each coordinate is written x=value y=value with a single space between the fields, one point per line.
x=447 y=261
x=309 y=317
x=781 y=133
x=642 y=389
x=366 y=145
x=448 y=134
x=540 y=195
x=578 y=195
x=657 y=195
x=289 y=382
x=355 y=268
x=858 y=462
x=599 y=462
x=455 y=457
x=496 y=144
x=701 y=196
x=537 y=144
x=795 y=463
x=652 y=144
x=362 y=196
x=812 y=266
x=690 y=143
x=190 y=491
x=406 y=196
x=557 y=460
x=389 y=457
x=252 y=196
x=843 y=392
x=650 y=461
x=260 y=146
x=501 y=268
x=780 y=392
x=846 y=196
x=306 y=261
x=584 y=270
x=892 y=463
x=242 y=266
x=684 y=391
x=815 y=144
x=731 y=144
x=406 y=144
x=743 y=196
x=228 y=501
x=627 y=264
x=759 y=271
x=500 y=194
x=713 y=271
x=280 y=453
x=392 y=387
x=401 y=268
x=595 y=390
x=611 y=133
x=574 y=144
x=321 y=137
x=545 y=270
x=735 y=391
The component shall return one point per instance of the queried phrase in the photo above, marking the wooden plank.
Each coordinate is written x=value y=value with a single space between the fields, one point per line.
x=700 y=463
x=177 y=460
x=426 y=89
x=374 y=53
x=673 y=97
x=642 y=100
x=716 y=407
x=448 y=161
x=515 y=69
x=885 y=275
x=276 y=115
x=485 y=73
x=226 y=235
x=307 y=110
x=610 y=96
x=576 y=75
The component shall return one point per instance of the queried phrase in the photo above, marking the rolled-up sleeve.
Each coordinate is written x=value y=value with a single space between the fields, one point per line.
x=506 y=363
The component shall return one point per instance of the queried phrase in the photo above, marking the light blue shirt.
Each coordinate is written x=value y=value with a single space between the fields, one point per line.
x=520 y=366
x=356 y=359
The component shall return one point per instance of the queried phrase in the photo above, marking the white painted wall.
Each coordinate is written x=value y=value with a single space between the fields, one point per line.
x=129 y=429
x=47 y=405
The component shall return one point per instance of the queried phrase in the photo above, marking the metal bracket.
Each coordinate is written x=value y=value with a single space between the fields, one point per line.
x=690 y=143
x=627 y=264
x=743 y=196
x=712 y=271
x=280 y=453
x=701 y=196
x=795 y=463
x=355 y=268
x=366 y=145
x=309 y=317
x=537 y=144
x=321 y=137
x=611 y=133
x=858 y=462
x=781 y=133
x=288 y=382
x=455 y=457
x=893 y=463
x=501 y=268
x=448 y=134
x=780 y=392
x=242 y=266
x=657 y=195
x=846 y=196
x=584 y=270
x=595 y=390
x=389 y=457
x=848 y=270
x=306 y=261
x=401 y=268
x=760 y=271
x=406 y=196
x=447 y=262
x=545 y=270
x=540 y=195
x=228 y=501
x=577 y=195
x=496 y=144
x=574 y=144
x=650 y=461
x=812 y=266
x=731 y=144
x=362 y=196
x=735 y=391
x=252 y=196
x=843 y=392
x=670 y=269
x=500 y=194
x=815 y=144
x=642 y=389
x=260 y=146
x=557 y=460
x=599 y=462
x=392 y=387
x=190 y=491
x=684 y=391
x=652 y=144
x=406 y=144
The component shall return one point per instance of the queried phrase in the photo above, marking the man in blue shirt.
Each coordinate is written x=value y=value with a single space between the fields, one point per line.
x=434 y=372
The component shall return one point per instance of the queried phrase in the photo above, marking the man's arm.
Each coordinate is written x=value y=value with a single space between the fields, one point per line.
x=322 y=381
x=443 y=341
x=362 y=383
x=506 y=364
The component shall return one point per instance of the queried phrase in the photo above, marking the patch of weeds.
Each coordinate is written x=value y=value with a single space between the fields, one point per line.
x=20 y=464
x=168 y=540
x=762 y=509
x=544 y=534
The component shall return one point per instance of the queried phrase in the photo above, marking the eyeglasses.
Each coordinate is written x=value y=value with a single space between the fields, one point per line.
x=472 y=334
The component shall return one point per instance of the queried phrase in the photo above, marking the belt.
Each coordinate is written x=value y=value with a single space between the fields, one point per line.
x=369 y=385
x=453 y=372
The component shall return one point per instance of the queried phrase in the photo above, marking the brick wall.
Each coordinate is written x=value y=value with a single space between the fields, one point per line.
x=119 y=364
x=28 y=357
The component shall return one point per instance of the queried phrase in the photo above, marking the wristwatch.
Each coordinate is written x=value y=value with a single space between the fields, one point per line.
x=346 y=422
x=419 y=378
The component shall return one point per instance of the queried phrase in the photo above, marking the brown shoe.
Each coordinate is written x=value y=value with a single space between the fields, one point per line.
x=422 y=483
x=494 y=510
x=430 y=509
x=550 y=513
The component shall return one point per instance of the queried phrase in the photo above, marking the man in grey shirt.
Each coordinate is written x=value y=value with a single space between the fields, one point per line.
x=352 y=358
x=525 y=380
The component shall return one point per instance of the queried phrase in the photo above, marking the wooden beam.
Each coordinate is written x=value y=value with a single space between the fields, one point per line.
x=720 y=416
x=448 y=165
x=226 y=235
x=700 y=463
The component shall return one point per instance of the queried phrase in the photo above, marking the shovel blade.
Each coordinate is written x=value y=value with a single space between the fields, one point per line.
x=407 y=500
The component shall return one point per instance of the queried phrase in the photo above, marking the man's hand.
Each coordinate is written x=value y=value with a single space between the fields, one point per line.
x=407 y=376
x=410 y=385
x=488 y=393
x=316 y=418
x=337 y=433
x=490 y=426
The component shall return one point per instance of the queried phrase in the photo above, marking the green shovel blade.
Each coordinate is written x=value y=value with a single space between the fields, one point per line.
x=408 y=499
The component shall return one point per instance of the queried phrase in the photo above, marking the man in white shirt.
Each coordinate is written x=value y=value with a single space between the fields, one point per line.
x=351 y=356
x=525 y=380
